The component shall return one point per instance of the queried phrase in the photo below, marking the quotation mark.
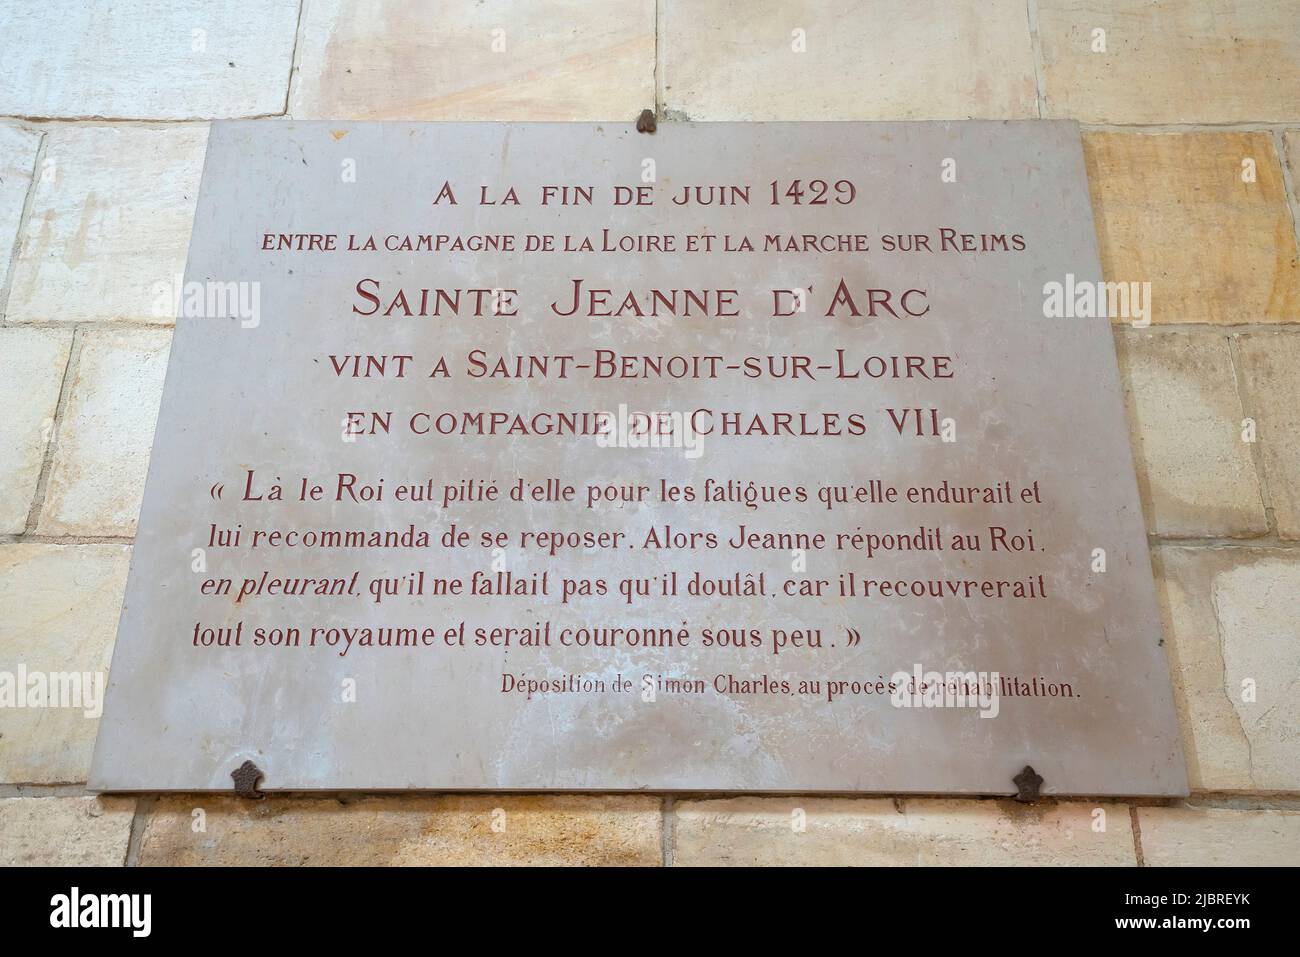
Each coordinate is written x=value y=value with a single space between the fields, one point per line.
x=855 y=637
x=217 y=489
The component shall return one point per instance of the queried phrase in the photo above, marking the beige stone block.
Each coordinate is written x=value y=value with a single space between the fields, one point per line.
x=1175 y=61
x=32 y=363
x=145 y=59
x=1196 y=475
x=59 y=606
x=757 y=831
x=101 y=456
x=1232 y=627
x=1219 y=837
x=65 y=831
x=406 y=830
x=1270 y=368
x=1173 y=210
x=552 y=60
x=884 y=60
x=109 y=224
x=18 y=148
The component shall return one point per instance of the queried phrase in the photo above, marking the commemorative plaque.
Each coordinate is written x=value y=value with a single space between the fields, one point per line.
x=732 y=457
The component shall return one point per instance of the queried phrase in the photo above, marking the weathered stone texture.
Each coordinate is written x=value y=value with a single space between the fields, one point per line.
x=487 y=830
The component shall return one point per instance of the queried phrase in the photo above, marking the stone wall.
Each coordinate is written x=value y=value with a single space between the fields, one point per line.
x=103 y=119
